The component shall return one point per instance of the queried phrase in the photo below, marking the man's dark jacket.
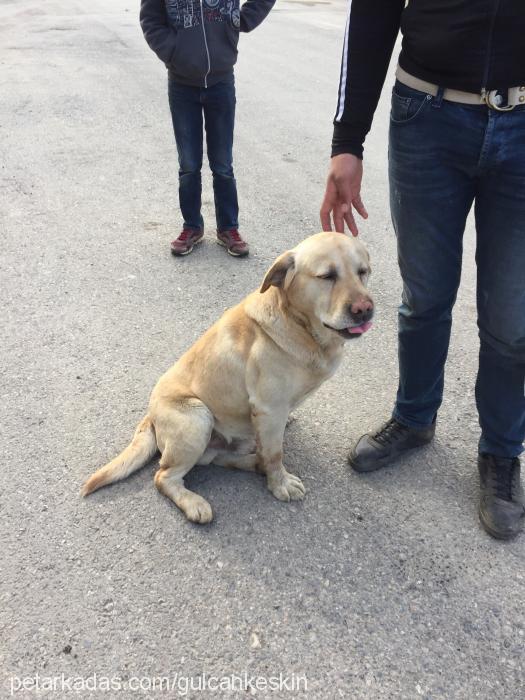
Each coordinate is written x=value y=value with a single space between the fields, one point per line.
x=462 y=44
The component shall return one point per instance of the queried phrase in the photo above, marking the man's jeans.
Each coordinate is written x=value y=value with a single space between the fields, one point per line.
x=188 y=105
x=443 y=157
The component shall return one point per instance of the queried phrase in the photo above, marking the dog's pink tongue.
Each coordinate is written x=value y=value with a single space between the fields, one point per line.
x=361 y=329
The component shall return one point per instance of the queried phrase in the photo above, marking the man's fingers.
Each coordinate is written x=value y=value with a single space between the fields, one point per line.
x=350 y=222
x=326 y=224
x=342 y=195
x=360 y=207
x=329 y=203
x=339 y=214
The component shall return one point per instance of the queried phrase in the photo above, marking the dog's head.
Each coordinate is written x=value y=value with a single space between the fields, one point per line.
x=324 y=278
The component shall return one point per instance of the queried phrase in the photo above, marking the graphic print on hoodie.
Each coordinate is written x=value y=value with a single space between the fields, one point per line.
x=197 y=39
x=187 y=13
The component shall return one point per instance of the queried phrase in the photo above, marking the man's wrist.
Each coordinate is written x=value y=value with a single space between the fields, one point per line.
x=347 y=138
x=353 y=149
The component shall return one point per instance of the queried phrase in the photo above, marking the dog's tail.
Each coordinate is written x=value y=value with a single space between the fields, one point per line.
x=140 y=450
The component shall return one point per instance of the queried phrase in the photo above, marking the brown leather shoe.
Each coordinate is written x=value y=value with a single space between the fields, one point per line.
x=233 y=243
x=186 y=240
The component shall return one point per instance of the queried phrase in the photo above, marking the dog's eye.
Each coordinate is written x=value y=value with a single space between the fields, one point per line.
x=363 y=272
x=330 y=275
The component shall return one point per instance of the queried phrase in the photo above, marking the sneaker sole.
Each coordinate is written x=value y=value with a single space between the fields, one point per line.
x=383 y=461
x=235 y=255
x=495 y=533
x=187 y=252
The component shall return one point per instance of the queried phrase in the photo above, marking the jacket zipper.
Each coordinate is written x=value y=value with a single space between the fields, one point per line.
x=484 y=90
x=205 y=45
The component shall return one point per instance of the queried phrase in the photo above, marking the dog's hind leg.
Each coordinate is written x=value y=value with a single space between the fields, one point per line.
x=185 y=433
x=247 y=463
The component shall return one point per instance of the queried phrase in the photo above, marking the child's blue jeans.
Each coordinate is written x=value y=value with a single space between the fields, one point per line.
x=215 y=107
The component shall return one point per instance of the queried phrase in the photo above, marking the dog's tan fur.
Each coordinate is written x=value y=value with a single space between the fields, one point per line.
x=229 y=396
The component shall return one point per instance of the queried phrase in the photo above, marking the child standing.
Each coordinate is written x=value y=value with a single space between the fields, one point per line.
x=197 y=40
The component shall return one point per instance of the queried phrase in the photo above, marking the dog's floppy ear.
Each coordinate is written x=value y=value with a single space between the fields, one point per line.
x=276 y=274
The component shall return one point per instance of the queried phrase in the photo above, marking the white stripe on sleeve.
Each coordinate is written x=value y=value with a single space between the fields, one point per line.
x=344 y=68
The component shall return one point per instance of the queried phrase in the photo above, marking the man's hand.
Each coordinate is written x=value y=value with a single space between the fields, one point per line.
x=343 y=188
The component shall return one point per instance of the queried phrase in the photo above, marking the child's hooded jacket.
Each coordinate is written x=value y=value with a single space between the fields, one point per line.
x=197 y=39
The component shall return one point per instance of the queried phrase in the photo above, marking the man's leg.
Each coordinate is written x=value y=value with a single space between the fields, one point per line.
x=500 y=386
x=432 y=160
x=219 y=115
x=186 y=114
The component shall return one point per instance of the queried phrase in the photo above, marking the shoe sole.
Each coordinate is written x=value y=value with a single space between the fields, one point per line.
x=495 y=533
x=383 y=462
x=235 y=255
x=375 y=467
x=187 y=252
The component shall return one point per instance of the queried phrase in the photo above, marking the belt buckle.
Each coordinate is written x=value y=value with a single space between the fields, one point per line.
x=492 y=99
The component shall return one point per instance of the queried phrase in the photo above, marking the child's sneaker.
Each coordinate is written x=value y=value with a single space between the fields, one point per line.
x=185 y=242
x=233 y=243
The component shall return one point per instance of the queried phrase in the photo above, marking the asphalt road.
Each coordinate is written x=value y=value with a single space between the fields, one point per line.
x=379 y=586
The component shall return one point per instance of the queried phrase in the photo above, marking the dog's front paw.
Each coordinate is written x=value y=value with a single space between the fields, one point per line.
x=197 y=509
x=286 y=486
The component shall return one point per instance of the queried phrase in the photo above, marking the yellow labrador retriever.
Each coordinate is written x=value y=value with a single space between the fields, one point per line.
x=228 y=398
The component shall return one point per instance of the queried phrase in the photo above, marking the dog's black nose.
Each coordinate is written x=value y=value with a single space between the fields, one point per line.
x=361 y=311
x=362 y=316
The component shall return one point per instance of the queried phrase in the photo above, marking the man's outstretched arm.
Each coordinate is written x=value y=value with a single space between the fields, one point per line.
x=371 y=30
